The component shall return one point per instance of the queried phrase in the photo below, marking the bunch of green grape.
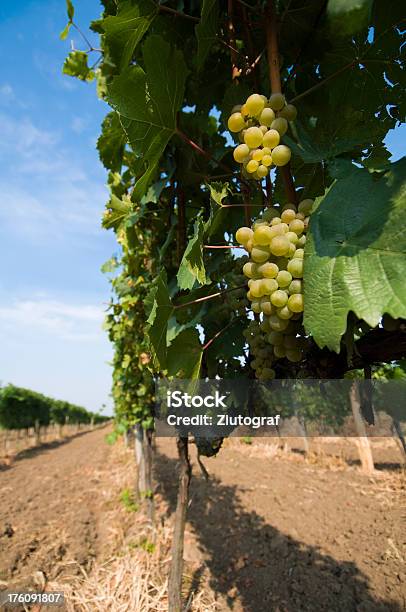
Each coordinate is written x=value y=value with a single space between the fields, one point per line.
x=260 y=124
x=275 y=244
x=261 y=351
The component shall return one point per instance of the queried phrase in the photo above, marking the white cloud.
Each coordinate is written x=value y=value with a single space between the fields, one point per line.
x=45 y=191
x=78 y=125
x=60 y=320
x=6 y=93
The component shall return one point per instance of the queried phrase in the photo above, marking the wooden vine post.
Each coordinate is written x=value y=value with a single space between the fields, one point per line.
x=185 y=471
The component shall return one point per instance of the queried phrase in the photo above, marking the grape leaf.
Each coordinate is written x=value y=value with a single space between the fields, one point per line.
x=111 y=143
x=218 y=191
x=185 y=355
x=75 y=65
x=206 y=31
x=125 y=30
x=347 y=17
x=161 y=309
x=70 y=9
x=148 y=103
x=191 y=267
x=355 y=256
x=64 y=34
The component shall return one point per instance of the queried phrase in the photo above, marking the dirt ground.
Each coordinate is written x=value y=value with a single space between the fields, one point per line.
x=273 y=533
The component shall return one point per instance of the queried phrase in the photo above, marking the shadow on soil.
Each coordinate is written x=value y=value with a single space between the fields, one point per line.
x=251 y=560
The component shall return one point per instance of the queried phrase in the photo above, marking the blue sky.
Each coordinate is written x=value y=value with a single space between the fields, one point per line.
x=52 y=195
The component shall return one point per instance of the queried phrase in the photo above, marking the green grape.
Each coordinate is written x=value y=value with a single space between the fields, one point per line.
x=250 y=297
x=277 y=324
x=284 y=278
x=266 y=306
x=290 y=341
x=275 y=338
x=236 y=122
x=296 y=302
x=257 y=154
x=293 y=237
x=292 y=250
x=268 y=286
x=268 y=374
x=253 y=137
x=300 y=216
x=262 y=235
x=296 y=226
x=249 y=245
x=250 y=269
x=264 y=325
x=289 y=112
x=260 y=254
x=280 y=125
x=241 y=153
x=267 y=116
x=277 y=101
x=258 y=223
x=268 y=270
x=255 y=289
x=279 y=351
x=296 y=286
x=267 y=160
x=306 y=206
x=262 y=171
x=254 y=104
x=295 y=267
x=271 y=139
x=294 y=355
x=252 y=166
x=281 y=155
x=289 y=206
x=255 y=306
x=276 y=221
x=279 y=246
x=284 y=313
x=270 y=213
x=243 y=234
x=302 y=241
x=279 y=298
x=299 y=253
x=236 y=109
x=288 y=215
x=263 y=129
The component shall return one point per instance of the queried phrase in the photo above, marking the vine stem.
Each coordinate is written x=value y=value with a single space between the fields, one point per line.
x=272 y=48
x=209 y=297
x=199 y=149
x=222 y=246
x=235 y=71
x=276 y=86
x=221 y=331
x=175 y=13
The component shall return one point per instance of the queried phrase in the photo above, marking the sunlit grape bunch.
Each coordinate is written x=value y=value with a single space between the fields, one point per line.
x=275 y=244
x=260 y=124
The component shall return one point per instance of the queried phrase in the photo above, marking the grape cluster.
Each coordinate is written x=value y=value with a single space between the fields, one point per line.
x=275 y=272
x=260 y=124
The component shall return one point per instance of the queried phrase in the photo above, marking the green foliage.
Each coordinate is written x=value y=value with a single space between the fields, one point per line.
x=206 y=31
x=168 y=82
x=147 y=102
x=125 y=30
x=21 y=408
x=192 y=268
x=355 y=256
x=127 y=498
x=76 y=66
